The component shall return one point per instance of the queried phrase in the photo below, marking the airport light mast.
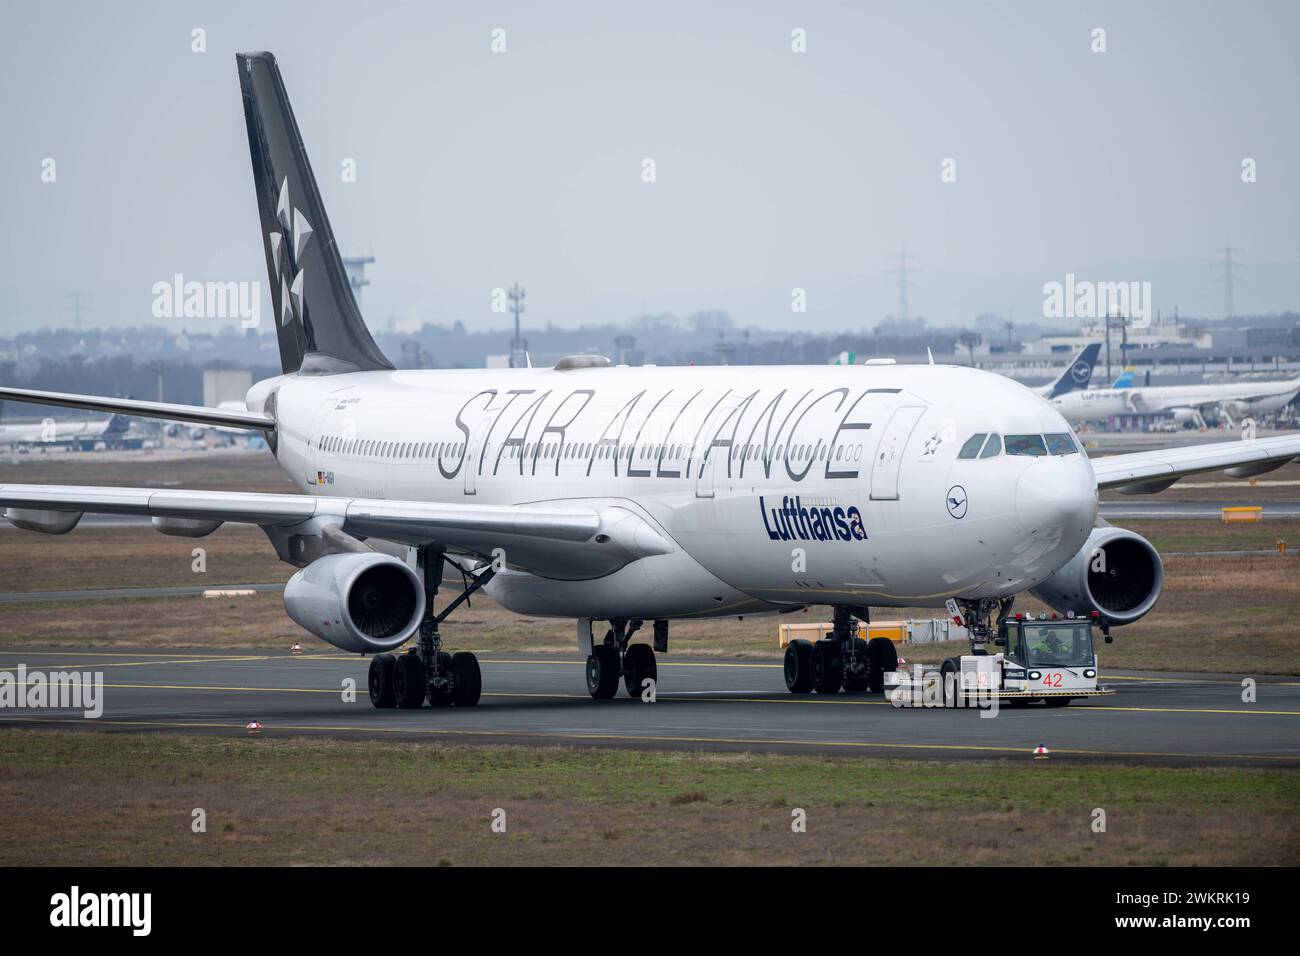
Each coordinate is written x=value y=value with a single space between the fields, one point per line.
x=518 y=347
x=1120 y=322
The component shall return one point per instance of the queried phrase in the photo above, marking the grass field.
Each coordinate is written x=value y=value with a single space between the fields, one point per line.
x=86 y=799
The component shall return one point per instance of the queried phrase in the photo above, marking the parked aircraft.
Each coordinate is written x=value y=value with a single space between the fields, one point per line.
x=72 y=433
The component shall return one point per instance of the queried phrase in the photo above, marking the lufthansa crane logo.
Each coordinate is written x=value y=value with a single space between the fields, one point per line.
x=1081 y=372
x=956 y=501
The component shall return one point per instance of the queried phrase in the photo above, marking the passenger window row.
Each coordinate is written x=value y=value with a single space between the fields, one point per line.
x=434 y=450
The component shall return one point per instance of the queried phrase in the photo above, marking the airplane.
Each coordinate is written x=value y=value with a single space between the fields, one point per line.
x=632 y=496
x=71 y=434
x=1125 y=378
x=1075 y=376
x=223 y=432
x=1188 y=404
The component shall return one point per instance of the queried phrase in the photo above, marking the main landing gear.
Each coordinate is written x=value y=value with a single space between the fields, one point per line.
x=426 y=671
x=842 y=660
x=616 y=657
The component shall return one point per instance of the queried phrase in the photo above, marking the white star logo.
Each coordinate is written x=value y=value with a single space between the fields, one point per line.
x=293 y=224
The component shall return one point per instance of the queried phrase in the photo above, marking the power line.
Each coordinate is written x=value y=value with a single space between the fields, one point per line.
x=902 y=272
x=76 y=308
x=1228 y=267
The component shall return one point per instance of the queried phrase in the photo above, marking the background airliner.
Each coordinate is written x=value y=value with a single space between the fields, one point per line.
x=631 y=496
x=1187 y=403
x=77 y=433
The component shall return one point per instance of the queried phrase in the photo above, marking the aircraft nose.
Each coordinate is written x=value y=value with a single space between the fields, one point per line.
x=1054 y=497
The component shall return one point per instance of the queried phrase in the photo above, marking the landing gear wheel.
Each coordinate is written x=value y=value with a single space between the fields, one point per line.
x=827 y=669
x=882 y=657
x=603 y=671
x=638 y=666
x=949 y=683
x=466 y=679
x=1056 y=701
x=855 y=682
x=381 y=681
x=439 y=695
x=798 y=666
x=409 y=682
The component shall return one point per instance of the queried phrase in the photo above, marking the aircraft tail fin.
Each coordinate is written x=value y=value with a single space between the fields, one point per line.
x=1125 y=379
x=1078 y=373
x=318 y=324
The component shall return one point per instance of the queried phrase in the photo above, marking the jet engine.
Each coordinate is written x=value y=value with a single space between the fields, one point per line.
x=363 y=602
x=1116 y=573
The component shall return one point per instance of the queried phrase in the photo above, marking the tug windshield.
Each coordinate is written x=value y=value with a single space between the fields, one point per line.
x=1059 y=644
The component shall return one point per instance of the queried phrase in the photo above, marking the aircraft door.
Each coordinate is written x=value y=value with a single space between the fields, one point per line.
x=716 y=459
x=473 y=453
x=889 y=453
x=317 y=468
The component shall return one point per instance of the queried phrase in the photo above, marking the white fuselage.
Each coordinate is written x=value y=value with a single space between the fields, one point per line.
x=1248 y=398
x=779 y=486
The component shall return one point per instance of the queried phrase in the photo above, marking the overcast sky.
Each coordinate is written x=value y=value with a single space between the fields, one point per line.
x=775 y=169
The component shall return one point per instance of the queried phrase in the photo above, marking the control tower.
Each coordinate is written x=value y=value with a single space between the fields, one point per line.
x=355 y=267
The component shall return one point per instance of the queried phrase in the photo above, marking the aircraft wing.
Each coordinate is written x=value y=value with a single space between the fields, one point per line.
x=578 y=538
x=1151 y=471
x=228 y=417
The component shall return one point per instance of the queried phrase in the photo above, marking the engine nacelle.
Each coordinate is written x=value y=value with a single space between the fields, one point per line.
x=360 y=602
x=1116 y=573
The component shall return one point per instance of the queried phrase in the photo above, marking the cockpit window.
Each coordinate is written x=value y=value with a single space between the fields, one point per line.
x=972 y=447
x=1031 y=445
x=992 y=447
x=1061 y=444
